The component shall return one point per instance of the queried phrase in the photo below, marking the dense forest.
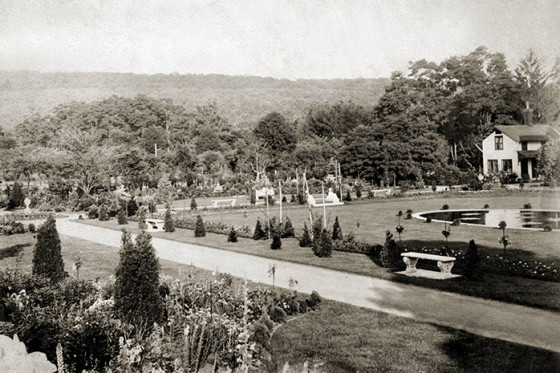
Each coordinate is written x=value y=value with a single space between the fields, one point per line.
x=425 y=128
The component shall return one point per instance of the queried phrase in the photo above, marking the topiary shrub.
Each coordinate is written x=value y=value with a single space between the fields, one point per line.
x=322 y=244
x=456 y=222
x=121 y=217
x=259 y=233
x=527 y=206
x=253 y=198
x=103 y=213
x=305 y=240
x=93 y=213
x=428 y=219
x=278 y=315
x=409 y=214
x=131 y=207
x=301 y=198
x=276 y=242
x=168 y=225
x=337 y=231
x=471 y=260
x=137 y=298
x=391 y=254
x=358 y=192
x=445 y=207
x=199 y=230
x=194 y=205
x=15 y=197
x=31 y=228
x=232 y=236
x=288 y=229
x=486 y=206
x=347 y=198
x=47 y=256
x=284 y=200
x=314 y=300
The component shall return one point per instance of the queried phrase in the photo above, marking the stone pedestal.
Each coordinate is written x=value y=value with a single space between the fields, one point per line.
x=410 y=264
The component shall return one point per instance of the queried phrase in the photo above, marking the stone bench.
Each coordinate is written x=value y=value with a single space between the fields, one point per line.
x=381 y=193
x=444 y=263
x=223 y=203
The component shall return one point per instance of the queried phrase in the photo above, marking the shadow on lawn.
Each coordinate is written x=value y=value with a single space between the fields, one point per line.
x=476 y=354
x=12 y=251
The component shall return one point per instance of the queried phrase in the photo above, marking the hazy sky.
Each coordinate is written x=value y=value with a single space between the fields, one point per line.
x=277 y=38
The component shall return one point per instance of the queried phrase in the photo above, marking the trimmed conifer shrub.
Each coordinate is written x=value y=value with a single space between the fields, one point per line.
x=194 y=205
x=32 y=228
x=348 y=198
x=199 y=230
x=301 y=198
x=284 y=200
x=259 y=233
x=103 y=213
x=305 y=240
x=471 y=260
x=288 y=230
x=142 y=219
x=47 y=256
x=390 y=255
x=276 y=241
x=253 y=198
x=358 y=192
x=121 y=217
x=16 y=196
x=93 y=212
x=137 y=298
x=168 y=225
x=337 y=231
x=132 y=207
x=445 y=207
x=322 y=244
x=317 y=227
x=232 y=236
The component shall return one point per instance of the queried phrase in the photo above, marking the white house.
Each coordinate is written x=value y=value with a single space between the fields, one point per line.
x=513 y=149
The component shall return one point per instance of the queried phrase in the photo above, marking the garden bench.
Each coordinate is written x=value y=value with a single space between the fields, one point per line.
x=154 y=225
x=444 y=263
x=381 y=192
x=223 y=202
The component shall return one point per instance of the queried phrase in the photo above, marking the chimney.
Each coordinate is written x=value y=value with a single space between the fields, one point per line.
x=528 y=115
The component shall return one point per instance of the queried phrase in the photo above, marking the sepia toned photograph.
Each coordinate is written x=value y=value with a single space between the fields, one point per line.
x=279 y=186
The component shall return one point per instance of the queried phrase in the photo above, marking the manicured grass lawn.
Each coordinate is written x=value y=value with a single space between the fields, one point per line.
x=344 y=338
x=378 y=216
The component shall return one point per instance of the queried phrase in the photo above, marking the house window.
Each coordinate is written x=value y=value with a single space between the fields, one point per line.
x=493 y=166
x=499 y=142
x=524 y=145
x=507 y=165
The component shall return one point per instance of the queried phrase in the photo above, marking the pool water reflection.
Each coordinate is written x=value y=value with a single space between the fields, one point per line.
x=515 y=218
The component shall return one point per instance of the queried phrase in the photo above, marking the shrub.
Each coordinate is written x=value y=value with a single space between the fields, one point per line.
x=47 y=256
x=142 y=219
x=260 y=334
x=253 y=198
x=305 y=240
x=276 y=241
x=259 y=233
x=445 y=207
x=293 y=198
x=194 y=205
x=232 y=236
x=314 y=300
x=284 y=200
x=390 y=255
x=137 y=298
x=103 y=213
x=131 y=207
x=370 y=195
x=278 y=315
x=32 y=228
x=337 y=231
x=288 y=230
x=16 y=196
x=428 y=219
x=323 y=245
x=93 y=212
x=348 y=198
x=168 y=225
x=547 y=228
x=121 y=217
x=301 y=198
x=471 y=260
x=199 y=230
x=358 y=192
x=527 y=206
x=456 y=222
x=317 y=226
x=409 y=214
x=486 y=206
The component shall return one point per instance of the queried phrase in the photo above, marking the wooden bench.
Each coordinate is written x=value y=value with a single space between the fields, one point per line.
x=223 y=202
x=444 y=263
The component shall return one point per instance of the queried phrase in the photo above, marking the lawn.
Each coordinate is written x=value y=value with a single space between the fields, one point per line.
x=378 y=216
x=343 y=337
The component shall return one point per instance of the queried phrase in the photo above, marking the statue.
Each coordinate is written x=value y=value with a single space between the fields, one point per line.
x=310 y=199
x=331 y=197
x=27 y=202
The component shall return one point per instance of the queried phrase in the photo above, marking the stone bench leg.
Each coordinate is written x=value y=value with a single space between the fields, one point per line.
x=445 y=268
x=410 y=264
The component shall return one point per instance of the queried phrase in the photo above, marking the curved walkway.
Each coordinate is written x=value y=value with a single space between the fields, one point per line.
x=520 y=324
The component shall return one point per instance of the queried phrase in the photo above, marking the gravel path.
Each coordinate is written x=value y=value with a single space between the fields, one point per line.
x=488 y=318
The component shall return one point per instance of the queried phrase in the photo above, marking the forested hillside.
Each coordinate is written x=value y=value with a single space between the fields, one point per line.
x=240 y=99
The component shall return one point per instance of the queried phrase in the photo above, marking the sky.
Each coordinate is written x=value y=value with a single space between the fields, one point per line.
x=293 y=39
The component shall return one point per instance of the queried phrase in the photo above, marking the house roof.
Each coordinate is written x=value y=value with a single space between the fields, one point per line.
x=520 y=133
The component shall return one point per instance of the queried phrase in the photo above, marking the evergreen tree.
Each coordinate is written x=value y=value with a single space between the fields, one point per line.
x=103 y=213
x=16 y=197
x=253 y=198
x=347 y=198
x=194 y=205
x=232 y=236
x=471 y=260
x=358 y=192
x=276 y=241
x=390 y=254
x=142 y=219
x=47 y=256
x=199 y=230
x=305 y=240
x=137 y=298
x=288 y=230
x=322 y=244
x=259 y=233
x=121 y=217
x=168 y=225
x=317 y=226
x=337 y=231
x=301 y=198
x=132 y=207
